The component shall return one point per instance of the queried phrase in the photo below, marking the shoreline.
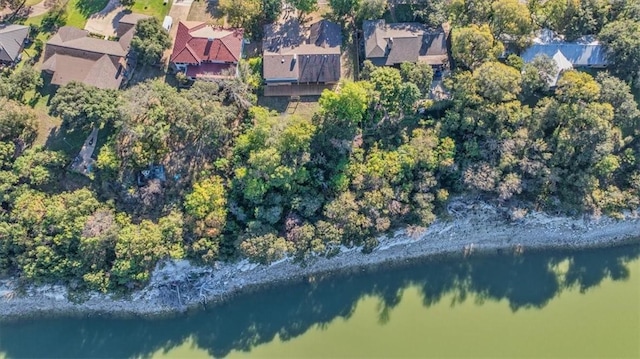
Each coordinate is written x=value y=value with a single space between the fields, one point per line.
x=477 y=228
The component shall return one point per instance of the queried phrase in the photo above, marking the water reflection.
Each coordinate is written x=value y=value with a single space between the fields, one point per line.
x=528 y=281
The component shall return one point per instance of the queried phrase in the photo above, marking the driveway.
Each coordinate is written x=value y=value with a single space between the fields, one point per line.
x=106 y=21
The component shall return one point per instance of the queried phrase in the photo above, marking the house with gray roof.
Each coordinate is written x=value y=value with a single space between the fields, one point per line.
x=301 y=61
x=395 y=43
x=12 y=38
x=72 y=55
x=582 y=53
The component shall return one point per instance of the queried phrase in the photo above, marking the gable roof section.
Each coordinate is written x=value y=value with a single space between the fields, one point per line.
x=102 y=72
x=198 y=42
x=76 y=39
x=73 y=56
x=391 y=44
x=11 y=41
x=294 y=53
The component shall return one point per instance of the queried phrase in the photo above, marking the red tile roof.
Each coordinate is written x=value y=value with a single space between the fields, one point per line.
x=197 y=42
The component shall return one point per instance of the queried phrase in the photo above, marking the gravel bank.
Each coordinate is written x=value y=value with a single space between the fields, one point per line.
x=475 y=227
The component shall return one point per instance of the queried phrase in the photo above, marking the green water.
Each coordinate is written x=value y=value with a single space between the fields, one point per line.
x=555 y=304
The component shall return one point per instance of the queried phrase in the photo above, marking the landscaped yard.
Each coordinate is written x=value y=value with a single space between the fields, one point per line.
x=155 y=8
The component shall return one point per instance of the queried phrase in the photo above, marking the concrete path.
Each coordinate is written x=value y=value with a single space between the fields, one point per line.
x=83 y=162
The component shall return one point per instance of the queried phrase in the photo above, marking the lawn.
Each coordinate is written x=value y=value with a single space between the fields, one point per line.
x=78 y=11
x=155 y=8
x=305 y=108
x=206 y=11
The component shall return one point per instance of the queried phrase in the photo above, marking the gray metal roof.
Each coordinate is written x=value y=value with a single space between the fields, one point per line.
x=578 y=54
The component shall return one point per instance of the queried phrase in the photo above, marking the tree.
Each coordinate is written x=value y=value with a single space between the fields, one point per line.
x=344 y=8
x=271 y=10
x=127 y=3
x=432 y=12
x=19 y=82
x=17 y=122
x=206 y=204
x=83 y=106
x=387 y=83
x=241 y=13
x=471 y=46
x=348 y=105
x=511 y=18
x=419 y=73
x=370 y=10
x=497 y=82
x=537 y=75
x=576 y=86
x=266 y=248
x=150 y=41
x=55 y=18
x=617 y=93
x=305 y=6
x=622 y=41
x=409 y=95
x=465 y=12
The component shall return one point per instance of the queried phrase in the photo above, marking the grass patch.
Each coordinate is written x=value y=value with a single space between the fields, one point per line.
x=32 y=2
x=36 y=20
x=206 y=11
x=155 y=8
x=78 y=11
x=306 y=107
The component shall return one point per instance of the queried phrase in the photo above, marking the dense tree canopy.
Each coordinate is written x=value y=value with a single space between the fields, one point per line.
x=150 y=41
x=203 y=173
x=471 y=46
x=82 y=106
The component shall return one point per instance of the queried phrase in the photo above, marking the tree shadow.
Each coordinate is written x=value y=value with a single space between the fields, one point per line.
x=90 y=7
x=527 y=281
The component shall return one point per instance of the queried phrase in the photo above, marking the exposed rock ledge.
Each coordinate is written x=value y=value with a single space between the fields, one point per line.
x=476 y=227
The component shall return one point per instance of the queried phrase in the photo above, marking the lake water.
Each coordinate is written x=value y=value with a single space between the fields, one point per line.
x=554 y=304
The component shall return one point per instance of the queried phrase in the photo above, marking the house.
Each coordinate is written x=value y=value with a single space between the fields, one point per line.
x=72 y=55
x=392 y=44
x=582 y=53
x=301 y=61
x=204 y=51
x=12 y=38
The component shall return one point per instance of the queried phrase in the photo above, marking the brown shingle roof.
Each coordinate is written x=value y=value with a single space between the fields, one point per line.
x=294 y=53
x=391 y=44
x=70 y=55
x=102 y=72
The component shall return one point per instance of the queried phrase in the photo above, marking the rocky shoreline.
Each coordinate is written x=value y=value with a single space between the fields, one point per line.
x=476 y=227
